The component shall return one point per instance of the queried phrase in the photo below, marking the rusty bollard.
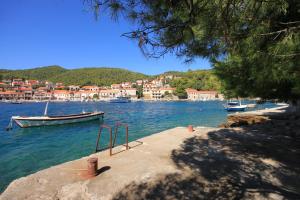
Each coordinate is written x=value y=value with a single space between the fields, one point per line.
x=92 y=167
x=190 y=128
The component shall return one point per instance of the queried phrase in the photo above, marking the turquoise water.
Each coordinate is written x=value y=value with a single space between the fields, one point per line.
x=25 y=151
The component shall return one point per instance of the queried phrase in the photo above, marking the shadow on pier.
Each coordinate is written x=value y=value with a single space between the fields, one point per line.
x=260 y=161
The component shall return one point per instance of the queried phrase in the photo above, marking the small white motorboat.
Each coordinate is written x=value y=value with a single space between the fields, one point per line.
x=24 y=121
x=233 y=106
x=120 y=100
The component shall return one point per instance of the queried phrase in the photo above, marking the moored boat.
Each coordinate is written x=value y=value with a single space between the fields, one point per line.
x=120 y=100
x=25 y=122
x=33 y=121
x=233 y=106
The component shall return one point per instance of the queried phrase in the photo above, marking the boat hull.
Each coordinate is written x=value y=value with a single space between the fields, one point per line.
x=236 y=108
x=24 y=122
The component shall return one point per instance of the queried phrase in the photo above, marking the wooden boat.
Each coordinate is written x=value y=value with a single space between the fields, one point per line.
x=233 y=106
x=24 y=121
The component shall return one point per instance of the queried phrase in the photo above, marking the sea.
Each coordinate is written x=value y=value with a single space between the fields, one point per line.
x=24 y=151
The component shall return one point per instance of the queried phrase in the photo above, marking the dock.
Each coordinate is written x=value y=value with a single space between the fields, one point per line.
x=146 y=159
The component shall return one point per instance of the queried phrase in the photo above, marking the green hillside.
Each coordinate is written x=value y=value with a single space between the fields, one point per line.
x=98 y=76
x=41 y=73
x=197 y=79
x=82 y=76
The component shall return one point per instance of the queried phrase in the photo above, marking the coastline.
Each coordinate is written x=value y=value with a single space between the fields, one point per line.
x=146 y=158
x=60 y=179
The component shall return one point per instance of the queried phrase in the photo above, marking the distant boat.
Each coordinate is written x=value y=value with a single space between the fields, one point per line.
x=120 y=100
x=235 y=106
x=16 y=102
x=24 y=121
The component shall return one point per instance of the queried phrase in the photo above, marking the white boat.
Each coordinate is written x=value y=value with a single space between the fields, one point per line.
x=24 y=121
x=120 y=100
x=235 y=106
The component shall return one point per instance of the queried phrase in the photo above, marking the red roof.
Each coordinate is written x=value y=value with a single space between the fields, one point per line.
x=61 y=92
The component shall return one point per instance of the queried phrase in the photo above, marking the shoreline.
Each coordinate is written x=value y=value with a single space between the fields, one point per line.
x=179 y=133
x=47 y=182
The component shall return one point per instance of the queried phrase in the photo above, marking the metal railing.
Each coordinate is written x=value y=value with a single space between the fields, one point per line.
x=103 y=126
x=111 y=142
x=119 y=124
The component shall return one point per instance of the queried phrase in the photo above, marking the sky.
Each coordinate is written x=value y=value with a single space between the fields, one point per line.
x=36 y=33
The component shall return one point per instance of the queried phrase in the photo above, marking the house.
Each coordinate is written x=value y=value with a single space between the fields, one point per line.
x=126 y=85
x=17 y=82
x=73 y=87
x=132 y=92
x=42 y=95
x=32 y=82
x=167 y=90
x=28 y=92
x=202 y=95
x=91 y=88
x=12 y=95
x=108 y=94
x=88 y=94
x=116 y=86
x=62 y=95
x=139 y=82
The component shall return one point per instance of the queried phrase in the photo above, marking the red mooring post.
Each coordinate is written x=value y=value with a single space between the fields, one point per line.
x=190 y=128
x=92 y=167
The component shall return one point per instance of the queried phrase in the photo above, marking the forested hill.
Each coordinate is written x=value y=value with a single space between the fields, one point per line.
x=84 y=76
x=197 y=79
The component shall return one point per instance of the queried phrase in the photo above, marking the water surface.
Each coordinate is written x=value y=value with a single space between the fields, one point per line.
x=25 y=151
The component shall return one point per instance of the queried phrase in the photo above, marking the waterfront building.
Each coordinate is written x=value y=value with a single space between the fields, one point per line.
x=139 y=82
x=108 y=94
x=203 y=95
x=156 y=93
x=126 y=85
x=12 y=95
x=61 y=95
x=73 y=87
x=91 y=88
x=116 y=86
x=42 y=95
x=131 y=92
x=28 y=92
x=76 y=96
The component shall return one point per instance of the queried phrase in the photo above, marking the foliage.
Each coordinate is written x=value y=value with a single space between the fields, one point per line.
x=139 y=91
x=95 y=96
x=41 y=73
x=83 y=76
x=254 y=45
x=198 y=79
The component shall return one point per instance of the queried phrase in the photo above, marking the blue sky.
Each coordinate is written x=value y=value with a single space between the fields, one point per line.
x=63 y=32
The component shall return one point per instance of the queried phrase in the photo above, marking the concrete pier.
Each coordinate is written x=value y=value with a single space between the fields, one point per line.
x=146 y=158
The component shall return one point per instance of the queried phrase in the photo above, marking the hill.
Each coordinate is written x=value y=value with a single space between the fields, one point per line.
x=105 y=76
x=41 y=73
x=83 y=76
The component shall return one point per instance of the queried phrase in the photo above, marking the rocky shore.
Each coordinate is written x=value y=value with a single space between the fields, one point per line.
x=257 y=157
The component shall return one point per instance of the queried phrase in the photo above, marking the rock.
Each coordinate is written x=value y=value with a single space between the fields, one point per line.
x=243 y=120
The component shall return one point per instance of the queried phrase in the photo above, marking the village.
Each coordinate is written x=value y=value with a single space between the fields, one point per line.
x=148 y=90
